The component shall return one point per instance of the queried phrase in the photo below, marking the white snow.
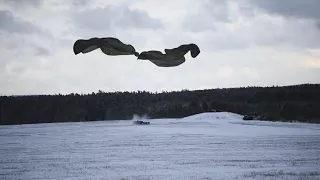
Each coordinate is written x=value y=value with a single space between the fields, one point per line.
x=205 y=146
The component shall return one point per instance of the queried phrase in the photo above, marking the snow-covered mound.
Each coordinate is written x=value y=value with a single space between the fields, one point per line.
x=223 y=116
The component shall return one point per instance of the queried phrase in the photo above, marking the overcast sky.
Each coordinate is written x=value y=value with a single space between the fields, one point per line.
x=242 y=42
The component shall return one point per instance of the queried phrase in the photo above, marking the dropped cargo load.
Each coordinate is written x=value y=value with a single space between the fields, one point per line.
x=141 y=122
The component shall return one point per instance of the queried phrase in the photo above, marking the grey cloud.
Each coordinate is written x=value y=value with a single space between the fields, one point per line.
x=23 y=3
x=114 y=16
x=218 y=9
x=308 y=9
x=198 y=23
x=15 y=47
x=206 y=17
x=41 y=51
x=215 y=36
x=22 y=36
x=12 y=24
x=78 y=3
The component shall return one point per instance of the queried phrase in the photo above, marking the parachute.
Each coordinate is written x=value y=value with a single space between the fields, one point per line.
x=114 y=47
x=184 y=49
x=109 y=46
x=162 y=60
x=172 y=57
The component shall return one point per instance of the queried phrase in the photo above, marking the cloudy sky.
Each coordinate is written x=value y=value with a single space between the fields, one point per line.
x=243 y=43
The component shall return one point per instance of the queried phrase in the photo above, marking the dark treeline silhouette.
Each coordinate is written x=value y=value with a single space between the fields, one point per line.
x=287 y=103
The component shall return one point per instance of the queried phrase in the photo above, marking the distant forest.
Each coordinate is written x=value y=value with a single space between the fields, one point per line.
x=287 y=103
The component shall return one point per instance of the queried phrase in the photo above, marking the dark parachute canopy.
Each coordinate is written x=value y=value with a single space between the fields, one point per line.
x=114 y=47
x=172 y=57
x=109 y=46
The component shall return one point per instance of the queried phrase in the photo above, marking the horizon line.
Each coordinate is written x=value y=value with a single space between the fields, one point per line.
x=158 y=92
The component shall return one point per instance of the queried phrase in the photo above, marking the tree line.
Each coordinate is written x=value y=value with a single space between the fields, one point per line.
x=285 y=103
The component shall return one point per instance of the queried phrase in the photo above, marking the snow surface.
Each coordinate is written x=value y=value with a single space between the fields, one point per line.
x=200 y=147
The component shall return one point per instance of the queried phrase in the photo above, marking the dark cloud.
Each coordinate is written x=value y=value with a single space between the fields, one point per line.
x=308 y=9
x=114 y=16
x=12 y=24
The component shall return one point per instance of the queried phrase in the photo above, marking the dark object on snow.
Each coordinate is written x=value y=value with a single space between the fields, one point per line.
x=108 y=45
x=140 y=122
x=172 y=57
x=247 y=117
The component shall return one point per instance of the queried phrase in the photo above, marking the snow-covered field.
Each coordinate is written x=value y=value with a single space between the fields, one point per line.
x=200 y=147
